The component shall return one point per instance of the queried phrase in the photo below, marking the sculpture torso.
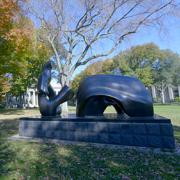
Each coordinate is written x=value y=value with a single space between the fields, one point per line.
x=127 y=95
x=47 y=98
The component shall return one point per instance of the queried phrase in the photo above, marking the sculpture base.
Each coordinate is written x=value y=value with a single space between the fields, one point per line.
x=137 y=131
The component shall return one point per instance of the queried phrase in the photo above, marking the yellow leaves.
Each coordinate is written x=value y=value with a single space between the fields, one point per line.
x=94 y=68
x=4 y=86
x=21 y=54
x=40 y=46
x=8 y=9
x=19 y=37
x=145 y=75
x=14 y=28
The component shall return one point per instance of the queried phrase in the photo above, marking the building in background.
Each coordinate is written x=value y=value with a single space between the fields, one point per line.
x=28 y=99
x=171 y=93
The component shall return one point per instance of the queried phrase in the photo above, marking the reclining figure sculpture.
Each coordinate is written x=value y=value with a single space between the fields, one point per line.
x=127 y=94
x=133 y=125
x=48 y=100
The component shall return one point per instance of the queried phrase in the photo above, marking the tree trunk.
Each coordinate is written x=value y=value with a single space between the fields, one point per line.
x=65 y=110
x=162 y=93
x=163 y=97
x=7 y=101
x=64 y=106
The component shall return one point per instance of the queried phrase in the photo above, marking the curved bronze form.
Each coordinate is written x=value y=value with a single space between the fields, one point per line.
x=127 y=94
x=47 y=98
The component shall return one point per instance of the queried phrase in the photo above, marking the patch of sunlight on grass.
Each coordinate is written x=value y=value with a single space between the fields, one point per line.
x=115 y=164
x=28 y=160
x=18 y=113
x=169 y=111
x=110 y=109
x=64 y=152
x=72 y=109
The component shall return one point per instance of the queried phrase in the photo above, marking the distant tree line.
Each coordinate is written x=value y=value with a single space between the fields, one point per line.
x=147 y=62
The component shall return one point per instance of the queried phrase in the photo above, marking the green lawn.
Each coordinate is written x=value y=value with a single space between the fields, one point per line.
x=30 y=160
x=170 y=111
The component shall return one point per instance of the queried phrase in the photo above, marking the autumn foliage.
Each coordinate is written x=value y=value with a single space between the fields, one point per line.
x=19 y=47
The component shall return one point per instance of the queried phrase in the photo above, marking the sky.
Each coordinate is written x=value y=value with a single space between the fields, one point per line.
x=168 y=37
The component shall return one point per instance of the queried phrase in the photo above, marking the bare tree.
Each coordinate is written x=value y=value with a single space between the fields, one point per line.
x=80 y=31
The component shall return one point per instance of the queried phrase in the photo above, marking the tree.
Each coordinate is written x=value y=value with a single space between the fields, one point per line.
x=151 y=65
x=138 y=62
x=10 y=40
x=145 y=75
x=76 y=29
x=4 y=87
x=33 y=59
x=95 y=68
x=108 y=66
x=22 y=55
x=147 y=62
x=165 y=71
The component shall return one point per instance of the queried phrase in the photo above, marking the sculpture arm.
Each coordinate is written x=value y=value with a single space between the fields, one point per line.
x=51 y=91
x=64 y=95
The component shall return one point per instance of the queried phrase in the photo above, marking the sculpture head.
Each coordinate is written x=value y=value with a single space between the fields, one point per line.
x=45 y=78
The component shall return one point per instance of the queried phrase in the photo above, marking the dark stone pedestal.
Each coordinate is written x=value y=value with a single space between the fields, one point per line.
x=140 y=131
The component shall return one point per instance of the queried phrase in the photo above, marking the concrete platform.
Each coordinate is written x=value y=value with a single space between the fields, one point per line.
x=144 y=132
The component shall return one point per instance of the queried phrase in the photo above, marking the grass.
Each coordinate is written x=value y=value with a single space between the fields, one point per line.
x=17 y=113
x=30 y=160
x=170 y=111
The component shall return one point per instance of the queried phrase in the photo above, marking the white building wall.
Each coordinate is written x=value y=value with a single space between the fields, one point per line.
x=154 y=96
x=32 y=95
x=171 y=93
x=31 y=98
x=179 y=90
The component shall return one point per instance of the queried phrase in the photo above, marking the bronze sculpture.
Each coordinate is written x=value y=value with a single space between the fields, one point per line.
x=136 y=126
x=47 y=99
x=127 y=94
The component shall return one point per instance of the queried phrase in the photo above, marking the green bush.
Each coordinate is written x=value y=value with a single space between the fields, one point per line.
x=157 y=100
x=177 y=99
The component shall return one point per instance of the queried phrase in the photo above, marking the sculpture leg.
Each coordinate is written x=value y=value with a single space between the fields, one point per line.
x=95 y=106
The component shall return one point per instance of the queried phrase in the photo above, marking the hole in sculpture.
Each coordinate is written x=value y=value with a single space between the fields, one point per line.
x=110 y=110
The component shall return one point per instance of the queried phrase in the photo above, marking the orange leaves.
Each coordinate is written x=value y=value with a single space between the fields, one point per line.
x=20 y=38
x=4 y=86
x=11 y=23
x=19 y=49
x=8 y=10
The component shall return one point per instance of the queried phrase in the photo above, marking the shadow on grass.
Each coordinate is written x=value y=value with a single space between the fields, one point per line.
x=8 y=127
x=52 y=161
x=177 y=133
x=57 y=162
x=7 y=153
x=88 y=162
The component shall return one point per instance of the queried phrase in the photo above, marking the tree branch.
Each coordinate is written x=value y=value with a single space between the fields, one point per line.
x=119 y=39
